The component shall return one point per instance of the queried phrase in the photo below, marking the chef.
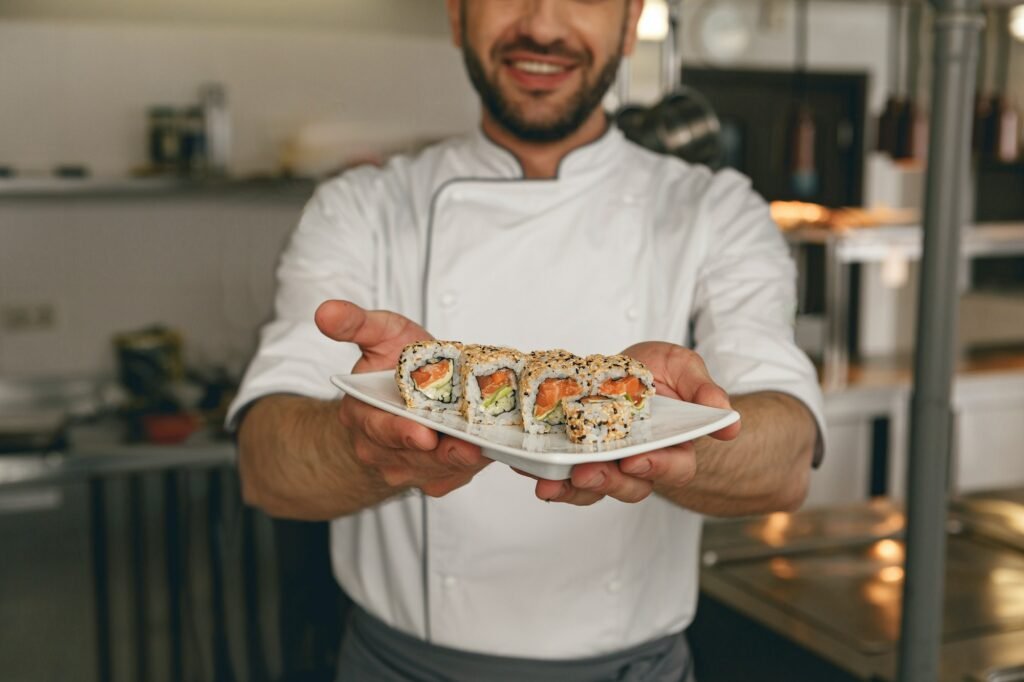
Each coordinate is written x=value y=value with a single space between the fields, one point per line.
x=544 y=228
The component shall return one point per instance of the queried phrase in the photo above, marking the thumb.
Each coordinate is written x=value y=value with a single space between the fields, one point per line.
x=714 y=396
x=345 y=321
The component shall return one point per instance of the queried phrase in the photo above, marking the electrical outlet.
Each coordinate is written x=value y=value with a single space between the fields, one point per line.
x=18 y=318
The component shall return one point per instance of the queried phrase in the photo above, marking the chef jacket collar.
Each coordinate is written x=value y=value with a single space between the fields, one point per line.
x=592 y=157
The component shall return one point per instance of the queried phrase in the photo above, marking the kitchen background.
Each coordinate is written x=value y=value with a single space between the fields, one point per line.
x=320 y=83
x=310 y=86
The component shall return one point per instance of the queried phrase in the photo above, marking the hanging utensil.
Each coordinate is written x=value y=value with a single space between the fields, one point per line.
x=1005 y=117
x=682 y=123
x=892 y=114
x=914 y=120
x=982 y=100
x=804 y=177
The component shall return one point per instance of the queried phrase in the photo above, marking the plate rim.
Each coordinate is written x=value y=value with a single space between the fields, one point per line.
x=728 y=418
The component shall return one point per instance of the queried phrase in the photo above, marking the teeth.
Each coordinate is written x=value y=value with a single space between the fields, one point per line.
x=538 y=67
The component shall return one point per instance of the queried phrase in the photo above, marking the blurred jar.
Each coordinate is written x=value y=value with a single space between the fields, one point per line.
x=192 y=140
x=164 y=148
x=217 y=127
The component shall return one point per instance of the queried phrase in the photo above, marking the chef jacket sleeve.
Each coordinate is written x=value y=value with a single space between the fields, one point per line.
x=330 y=255
x=745 y=302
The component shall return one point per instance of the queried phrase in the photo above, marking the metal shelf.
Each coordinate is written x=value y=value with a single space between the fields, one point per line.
x=874 y=245
x=49 y=187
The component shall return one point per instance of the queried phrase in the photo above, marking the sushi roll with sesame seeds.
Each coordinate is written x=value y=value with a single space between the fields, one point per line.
x=597 y=420
x=624 y=378
x=490 y=385
x=549 y=379
x=428 y=375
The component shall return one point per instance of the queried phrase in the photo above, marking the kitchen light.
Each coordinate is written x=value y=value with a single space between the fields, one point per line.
x=653 y=24
x=1017 y=22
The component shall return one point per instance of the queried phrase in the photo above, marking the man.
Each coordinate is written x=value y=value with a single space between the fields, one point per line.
x=544 y=229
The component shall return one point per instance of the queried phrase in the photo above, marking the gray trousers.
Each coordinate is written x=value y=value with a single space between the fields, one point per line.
x=374 y=652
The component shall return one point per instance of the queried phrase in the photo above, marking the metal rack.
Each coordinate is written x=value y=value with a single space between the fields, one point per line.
x=875 y=245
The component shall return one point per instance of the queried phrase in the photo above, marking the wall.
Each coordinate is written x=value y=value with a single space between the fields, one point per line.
x=202 y=265
x=416 y=17
x=76 y=78
x=78 y=91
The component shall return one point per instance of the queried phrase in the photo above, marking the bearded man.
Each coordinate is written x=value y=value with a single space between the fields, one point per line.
x=545 y=228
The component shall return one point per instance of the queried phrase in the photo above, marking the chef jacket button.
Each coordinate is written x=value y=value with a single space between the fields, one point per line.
x=632 y=313
x=614 y=586
x=457 y=195
x=448 y=299
x=449 y=581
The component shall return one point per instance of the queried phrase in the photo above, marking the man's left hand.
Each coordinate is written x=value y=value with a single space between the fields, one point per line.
x=678 y=373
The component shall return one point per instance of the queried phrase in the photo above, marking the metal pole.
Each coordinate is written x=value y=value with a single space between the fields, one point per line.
x=957 y=26
x=671 y=57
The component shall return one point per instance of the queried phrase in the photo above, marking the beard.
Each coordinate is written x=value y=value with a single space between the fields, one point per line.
x=512 y=117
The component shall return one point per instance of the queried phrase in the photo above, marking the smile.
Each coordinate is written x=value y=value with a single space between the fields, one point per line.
x=543 y=68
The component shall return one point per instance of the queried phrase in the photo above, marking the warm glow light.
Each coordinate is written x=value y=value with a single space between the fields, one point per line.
x=1017 y=22
x=888 y=550
x=891 y=574
x=782 y=568
x=775 y=527
x=653 y=21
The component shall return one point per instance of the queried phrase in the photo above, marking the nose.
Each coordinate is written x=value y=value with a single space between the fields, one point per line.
x=544 y=21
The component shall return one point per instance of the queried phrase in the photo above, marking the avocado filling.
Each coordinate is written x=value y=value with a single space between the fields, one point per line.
x=440 y=390
x=501 y=401
x=637 y=403
x=555 y=415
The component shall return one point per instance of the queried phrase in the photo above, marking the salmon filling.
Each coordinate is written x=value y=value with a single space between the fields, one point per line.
x=629 y=387
x=492 y=383
x=434 y=380
x=497 y=392
x=548 y=407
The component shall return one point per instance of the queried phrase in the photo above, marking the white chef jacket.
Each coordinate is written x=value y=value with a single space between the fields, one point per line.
x=623 y=246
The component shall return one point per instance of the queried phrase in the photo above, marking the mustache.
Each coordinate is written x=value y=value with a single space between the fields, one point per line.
x=555 y=49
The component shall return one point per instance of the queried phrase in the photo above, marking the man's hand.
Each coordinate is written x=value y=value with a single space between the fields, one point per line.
x=401 y=452
x=678 y=373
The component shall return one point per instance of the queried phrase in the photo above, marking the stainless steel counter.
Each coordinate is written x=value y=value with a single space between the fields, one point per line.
x=843 y=248
x=95 y=455
x=831 y=581
x=81 y=464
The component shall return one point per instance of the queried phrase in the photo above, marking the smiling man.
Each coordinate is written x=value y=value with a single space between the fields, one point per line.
x=543 y=229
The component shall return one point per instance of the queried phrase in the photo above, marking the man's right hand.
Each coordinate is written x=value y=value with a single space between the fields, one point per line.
x=403 y=453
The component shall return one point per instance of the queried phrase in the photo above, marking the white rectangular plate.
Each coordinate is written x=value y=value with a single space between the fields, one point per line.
x=551 y=455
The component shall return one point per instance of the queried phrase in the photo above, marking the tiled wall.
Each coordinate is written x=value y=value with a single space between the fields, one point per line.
x=203 y=265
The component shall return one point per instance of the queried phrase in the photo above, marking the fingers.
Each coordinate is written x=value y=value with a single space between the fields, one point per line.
x=681 y=373
x=564 y=491
x=345 y=321
x=670 y=467
x=589 y=483
x=460 y=454
x=605 y=478
x=384 y=429
x=678 y=372
x=405 y=454
x=630 y=480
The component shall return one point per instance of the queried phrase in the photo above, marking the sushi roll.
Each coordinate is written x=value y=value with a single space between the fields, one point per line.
x=622 y=377
x=490 y=385
x=428 y=375
x=597 y=420
x=549 y=379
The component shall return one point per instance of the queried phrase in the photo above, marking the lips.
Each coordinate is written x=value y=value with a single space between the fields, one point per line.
x=539 y=72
